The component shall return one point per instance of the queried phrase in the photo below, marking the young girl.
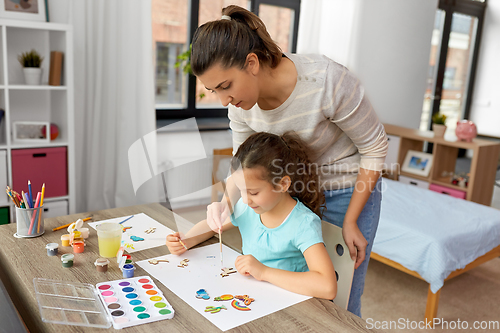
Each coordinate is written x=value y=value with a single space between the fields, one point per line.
x=267 y=90
x=277 y=216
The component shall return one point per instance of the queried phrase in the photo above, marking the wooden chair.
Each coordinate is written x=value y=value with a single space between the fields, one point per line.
x=219 y=155
x=342 y=262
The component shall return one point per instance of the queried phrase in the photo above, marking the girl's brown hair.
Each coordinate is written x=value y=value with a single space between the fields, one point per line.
x=280 y=156
x=228 y=42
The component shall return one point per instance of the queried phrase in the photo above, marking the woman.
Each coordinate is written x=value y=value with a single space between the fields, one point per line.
x=268 y=91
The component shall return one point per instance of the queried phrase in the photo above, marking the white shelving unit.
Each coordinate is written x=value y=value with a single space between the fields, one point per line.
x=53 y=104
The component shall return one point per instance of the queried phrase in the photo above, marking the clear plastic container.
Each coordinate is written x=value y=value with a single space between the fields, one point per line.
x=70 y=303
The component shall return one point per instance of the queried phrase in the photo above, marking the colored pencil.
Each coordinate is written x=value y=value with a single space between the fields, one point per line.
x=67 y=225
x=9 y=193
x=30 y=195
x=35 y=215
x=128 y=218
x=41 y=205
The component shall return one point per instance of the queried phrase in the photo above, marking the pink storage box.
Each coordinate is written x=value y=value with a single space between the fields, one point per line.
x=41 y=165
x=446 y=190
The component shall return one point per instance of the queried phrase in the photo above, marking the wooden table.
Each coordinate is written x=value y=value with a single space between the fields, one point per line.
x=22 y=260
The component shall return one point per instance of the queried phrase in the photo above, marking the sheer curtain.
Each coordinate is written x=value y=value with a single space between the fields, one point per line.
x=329 y=27
x=114 y=99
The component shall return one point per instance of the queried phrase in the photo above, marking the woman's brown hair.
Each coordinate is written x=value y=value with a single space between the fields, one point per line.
x=228 y=42
x=283 y=155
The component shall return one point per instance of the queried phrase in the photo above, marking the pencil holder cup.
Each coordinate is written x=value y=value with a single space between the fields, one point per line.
x=29 y=222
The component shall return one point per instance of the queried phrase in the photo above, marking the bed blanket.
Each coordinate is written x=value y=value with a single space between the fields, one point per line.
x=431 y=233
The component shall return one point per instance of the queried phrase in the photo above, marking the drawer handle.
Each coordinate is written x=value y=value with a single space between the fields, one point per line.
x=40 y=155
x=413 y=183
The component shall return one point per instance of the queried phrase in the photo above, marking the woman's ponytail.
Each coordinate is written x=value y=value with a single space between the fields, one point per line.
x=229 y=41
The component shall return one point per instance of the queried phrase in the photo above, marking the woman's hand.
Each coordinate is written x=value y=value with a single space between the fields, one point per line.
x=248 y=265
x=173 y=244
x=355 y=241
x=217 y=213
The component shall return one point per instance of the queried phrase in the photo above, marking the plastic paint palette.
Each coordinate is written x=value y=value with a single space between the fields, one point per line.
x=134 y=301
x=121 y=303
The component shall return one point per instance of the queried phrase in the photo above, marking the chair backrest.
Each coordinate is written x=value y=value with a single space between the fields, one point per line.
x=342 y=262
x=217 y=177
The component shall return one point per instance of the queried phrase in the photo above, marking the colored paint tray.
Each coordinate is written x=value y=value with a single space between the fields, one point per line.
x=134 y=301
x=121 y=303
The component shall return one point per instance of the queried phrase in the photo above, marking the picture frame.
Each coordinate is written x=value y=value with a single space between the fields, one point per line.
x=33 y=10
x=417 y=163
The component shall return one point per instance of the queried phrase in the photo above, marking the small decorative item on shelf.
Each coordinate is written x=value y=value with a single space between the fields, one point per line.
x=466 y=130
x=54 y=131
x=460 y=179
x=31 y=131
x=31 y=62
x=438 y=124
x=418 y=163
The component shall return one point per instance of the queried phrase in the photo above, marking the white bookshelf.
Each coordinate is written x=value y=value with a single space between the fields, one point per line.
x=44 y=103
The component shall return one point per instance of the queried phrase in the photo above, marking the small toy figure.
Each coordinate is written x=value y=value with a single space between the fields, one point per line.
x=215 y=309
x=136 y=239
x=183 y=263
x=237 y=306
x=247 y=300
x=156 y=261
x=225 y=297
x=226 y=271
x=202 y=293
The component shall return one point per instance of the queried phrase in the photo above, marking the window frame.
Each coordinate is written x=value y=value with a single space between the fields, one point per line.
x=191 y=110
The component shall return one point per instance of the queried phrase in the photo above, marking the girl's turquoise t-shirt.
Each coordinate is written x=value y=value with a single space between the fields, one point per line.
x=281 y=247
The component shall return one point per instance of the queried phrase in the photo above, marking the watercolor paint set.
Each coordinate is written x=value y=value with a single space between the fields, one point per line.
x=119 y=303
x=134 y=301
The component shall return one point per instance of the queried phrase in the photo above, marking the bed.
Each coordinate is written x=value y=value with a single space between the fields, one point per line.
x=432 y=236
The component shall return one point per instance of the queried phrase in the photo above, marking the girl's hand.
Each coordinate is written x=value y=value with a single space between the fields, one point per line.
x=355 y=241
x=173 y=244
x=217 y=213
x=248 y=265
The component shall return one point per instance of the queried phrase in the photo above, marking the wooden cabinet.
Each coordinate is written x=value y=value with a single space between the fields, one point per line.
x=445 y=151
x=37 y=103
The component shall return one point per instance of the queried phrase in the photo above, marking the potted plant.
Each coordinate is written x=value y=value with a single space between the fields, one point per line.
x=31 y=62
x=438 y=124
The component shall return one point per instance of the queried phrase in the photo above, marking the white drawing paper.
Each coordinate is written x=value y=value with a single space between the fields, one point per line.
x=140 y=223
x=203 y=272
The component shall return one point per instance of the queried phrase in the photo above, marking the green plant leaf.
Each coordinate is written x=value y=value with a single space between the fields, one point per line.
x=30 y=59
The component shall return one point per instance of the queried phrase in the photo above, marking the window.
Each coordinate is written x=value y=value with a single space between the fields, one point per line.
x=453 y=61
x=178 y=95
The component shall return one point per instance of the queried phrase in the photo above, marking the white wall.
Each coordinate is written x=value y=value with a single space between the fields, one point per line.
x=386 y=43
x=391 y=56
x=485 y=108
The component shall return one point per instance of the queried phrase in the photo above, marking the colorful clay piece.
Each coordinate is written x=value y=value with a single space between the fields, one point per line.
x=202 y=293
x=126 y=228
x=150 y=230
x=226 y=271
x=129 y=246
x=215 y=309
x=247 y=300
x=225 y=297
x=136 y=239
x=156 y=261
x=237 y=306
x=183 y=263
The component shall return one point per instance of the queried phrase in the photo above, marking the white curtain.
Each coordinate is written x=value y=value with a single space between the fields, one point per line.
x=114 y=99
x=329 y=27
